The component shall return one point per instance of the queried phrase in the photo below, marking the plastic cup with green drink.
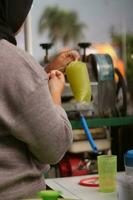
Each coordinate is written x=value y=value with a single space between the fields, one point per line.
x=107 y=170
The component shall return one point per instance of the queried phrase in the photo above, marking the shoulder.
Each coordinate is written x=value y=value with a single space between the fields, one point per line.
x=18 y=60
x=19 y=70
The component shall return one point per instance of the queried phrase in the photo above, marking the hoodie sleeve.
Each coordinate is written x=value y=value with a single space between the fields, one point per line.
x=44 y=127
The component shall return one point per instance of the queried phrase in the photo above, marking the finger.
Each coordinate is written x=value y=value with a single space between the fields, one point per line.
x=71 y=52
x=52 y=74
x=74 y=54
x=56 y=73
x=59 y=75
x=48 y=74
x=66 y=49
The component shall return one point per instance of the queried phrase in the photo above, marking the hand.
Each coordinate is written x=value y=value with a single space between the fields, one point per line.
x=62 y=60
x=56 y=85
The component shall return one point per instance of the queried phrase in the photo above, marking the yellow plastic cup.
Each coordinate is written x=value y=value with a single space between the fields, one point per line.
x=107 y=170
x=78 y=77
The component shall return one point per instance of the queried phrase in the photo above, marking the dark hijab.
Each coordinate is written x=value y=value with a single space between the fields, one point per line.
x=12 y=16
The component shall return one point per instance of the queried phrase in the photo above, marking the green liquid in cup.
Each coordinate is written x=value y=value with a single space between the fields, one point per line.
x=107 y=169
x=78 y=77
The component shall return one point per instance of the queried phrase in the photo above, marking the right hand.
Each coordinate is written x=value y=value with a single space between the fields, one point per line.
x=62 y=60
x=56 y=85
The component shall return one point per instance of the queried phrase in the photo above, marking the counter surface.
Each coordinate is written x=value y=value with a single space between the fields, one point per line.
x=70 y=188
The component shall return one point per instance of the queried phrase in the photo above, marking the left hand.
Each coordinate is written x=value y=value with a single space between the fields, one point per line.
x=62 y=60
x=56 y=85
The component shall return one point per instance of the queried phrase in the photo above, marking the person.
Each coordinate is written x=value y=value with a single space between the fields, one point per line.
x=34 y=129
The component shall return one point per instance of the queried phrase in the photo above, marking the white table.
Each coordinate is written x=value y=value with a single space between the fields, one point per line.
x=70 y=188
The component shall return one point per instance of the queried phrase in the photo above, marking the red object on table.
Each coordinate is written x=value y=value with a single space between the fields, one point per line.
x=90 y=182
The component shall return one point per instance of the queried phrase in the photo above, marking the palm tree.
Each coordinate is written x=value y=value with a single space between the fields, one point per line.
x=61 y=24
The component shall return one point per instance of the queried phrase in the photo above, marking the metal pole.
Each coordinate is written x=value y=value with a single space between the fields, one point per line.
x=28 y=34
x=124 y=42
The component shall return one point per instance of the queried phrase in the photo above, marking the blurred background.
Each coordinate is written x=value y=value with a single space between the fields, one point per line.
x=66 y=23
